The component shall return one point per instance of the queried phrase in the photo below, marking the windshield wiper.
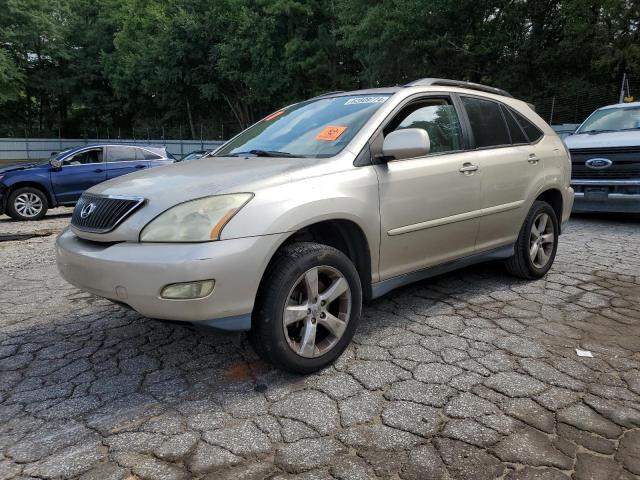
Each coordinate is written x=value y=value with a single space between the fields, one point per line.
x=593 y=132
x=266 y=153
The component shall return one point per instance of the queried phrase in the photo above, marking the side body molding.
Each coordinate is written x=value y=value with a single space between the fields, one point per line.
x=456 y=218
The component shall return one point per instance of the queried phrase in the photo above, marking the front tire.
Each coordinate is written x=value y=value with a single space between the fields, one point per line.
x=537 y=243
x=308 y=308
x=27 y=203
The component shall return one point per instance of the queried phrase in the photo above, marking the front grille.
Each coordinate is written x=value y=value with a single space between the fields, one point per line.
x=105 y=215
x=619 y=169
x=626 y=163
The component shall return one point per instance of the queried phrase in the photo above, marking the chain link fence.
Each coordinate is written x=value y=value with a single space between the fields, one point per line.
x=35 y=149
x=574 y=105
x=565 y=109
x=36 y=144
x=213 y=130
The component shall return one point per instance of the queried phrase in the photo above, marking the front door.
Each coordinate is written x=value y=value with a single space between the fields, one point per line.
x=429 y=206
x=79 y=172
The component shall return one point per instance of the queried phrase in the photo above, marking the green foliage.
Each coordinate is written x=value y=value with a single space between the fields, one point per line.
x=10 y=79
x=79 y=65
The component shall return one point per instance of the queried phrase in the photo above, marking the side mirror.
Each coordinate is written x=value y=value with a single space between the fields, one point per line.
x=55 y=163
x=406 y=143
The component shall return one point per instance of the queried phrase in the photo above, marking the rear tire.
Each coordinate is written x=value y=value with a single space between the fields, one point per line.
x=296 y=326
x=27 y=203
x=534 y=250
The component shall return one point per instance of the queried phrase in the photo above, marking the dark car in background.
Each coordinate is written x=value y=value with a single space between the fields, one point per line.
x=28 y=190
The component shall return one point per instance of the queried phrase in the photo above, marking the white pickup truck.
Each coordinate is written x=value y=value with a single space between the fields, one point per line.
x=605 y=156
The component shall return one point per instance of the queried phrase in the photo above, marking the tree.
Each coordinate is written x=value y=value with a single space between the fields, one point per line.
x=32 y=46
x=10 y=79
x=95 y=64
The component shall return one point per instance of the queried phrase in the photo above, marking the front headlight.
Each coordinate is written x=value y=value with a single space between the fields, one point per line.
x=199 y=220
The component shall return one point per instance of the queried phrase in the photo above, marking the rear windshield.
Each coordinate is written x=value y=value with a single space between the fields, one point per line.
x=315 y=128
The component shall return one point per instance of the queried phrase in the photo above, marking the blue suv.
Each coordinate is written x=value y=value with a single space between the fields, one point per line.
x=27 y=191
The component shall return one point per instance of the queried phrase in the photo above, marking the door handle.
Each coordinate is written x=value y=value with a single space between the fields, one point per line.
x=140 y=166
x=468 y=168
x=98 y=170
x=533 y=159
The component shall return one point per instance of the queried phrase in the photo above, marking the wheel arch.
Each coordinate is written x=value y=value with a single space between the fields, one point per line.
x=341 y=234
x=553 y=197
x=29 y=183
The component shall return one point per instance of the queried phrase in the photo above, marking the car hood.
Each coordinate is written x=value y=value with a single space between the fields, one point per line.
x=166 y=186
x=178 y=182
x=630 y=138
x=16 y=166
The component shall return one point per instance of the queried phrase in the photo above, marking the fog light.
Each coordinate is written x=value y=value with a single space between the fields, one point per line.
x=188 y=290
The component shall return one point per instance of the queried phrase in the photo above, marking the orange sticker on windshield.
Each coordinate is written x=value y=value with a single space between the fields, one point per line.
x=273 y=115
x=330 y=133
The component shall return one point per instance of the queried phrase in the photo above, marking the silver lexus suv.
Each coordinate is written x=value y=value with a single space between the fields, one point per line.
x=324 y=205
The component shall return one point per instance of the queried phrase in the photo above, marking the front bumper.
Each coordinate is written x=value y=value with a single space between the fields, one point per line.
x=615 y=196
x=135 y=273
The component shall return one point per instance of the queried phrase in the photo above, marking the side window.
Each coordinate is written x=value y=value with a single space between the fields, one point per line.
x=517 y=135
x=533 y=132
x=437 y=117
x=147 y=155
x=487 y=123
x=121 y=154
x=85 y=158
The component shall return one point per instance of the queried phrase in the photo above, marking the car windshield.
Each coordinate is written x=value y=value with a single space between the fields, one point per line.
x=316 y=128
x=612 y=120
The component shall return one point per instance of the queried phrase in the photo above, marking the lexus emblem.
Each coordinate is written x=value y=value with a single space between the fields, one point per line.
x=87 y=210
x=598 y=163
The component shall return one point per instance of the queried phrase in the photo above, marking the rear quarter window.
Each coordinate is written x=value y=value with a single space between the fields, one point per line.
x=147 y=155
x=533 y=133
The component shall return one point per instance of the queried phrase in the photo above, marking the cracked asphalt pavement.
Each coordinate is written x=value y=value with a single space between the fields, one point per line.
x=470 y=375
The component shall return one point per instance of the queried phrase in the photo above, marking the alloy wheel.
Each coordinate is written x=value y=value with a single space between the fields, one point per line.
x=541 y=241
x=317 y=311
x=28 y=204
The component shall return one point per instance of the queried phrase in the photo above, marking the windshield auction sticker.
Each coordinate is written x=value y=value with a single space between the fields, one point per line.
x=273 y=116
x=361 y=100
x=330 y=133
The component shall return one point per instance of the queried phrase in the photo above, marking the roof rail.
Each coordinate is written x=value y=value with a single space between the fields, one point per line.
x=425 y=82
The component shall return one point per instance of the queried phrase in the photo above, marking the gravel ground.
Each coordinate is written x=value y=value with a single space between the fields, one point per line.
x=470 y=375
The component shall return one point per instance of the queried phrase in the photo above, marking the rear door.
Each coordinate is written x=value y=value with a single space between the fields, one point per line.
x=79 y=172
x=123 y=159
x=508 y=165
